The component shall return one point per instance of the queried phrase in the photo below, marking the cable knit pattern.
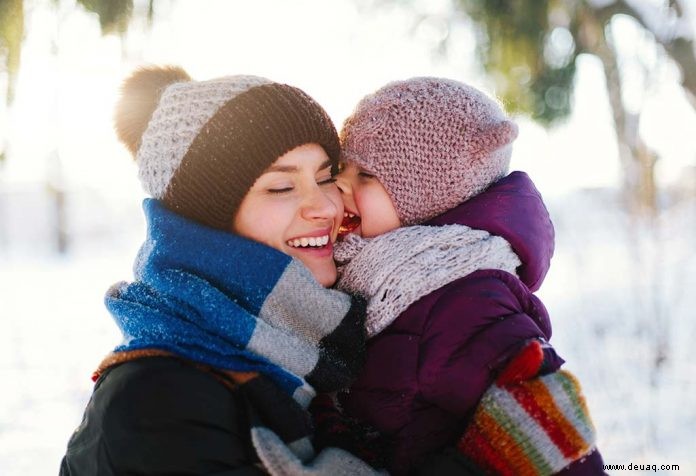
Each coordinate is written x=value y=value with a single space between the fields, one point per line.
x=183 y=110
x=433 y=143
x=201 y=145
x=397 y=268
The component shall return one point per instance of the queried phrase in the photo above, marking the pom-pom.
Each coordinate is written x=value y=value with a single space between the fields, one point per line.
x=140 y=95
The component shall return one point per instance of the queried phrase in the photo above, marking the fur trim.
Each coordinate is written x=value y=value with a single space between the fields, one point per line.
x=140 y=94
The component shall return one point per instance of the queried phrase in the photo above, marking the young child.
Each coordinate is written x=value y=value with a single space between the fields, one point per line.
x=458 y=339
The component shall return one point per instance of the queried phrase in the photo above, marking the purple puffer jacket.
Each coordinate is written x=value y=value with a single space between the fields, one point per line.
x=426 y=372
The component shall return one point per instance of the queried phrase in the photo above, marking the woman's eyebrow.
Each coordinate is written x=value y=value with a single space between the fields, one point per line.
x=294 y=168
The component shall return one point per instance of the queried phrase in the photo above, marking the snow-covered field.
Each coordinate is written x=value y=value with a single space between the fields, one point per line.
x=621 y=297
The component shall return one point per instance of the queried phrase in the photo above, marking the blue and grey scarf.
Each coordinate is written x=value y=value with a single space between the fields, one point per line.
x=234 y=305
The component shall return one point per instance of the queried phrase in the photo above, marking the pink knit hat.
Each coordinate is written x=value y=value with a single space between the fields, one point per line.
x=432 y=142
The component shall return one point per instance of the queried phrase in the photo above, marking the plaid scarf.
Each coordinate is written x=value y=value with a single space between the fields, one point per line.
x=246 y=310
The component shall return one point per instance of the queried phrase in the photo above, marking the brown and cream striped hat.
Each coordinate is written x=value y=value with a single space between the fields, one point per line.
x=201 y=145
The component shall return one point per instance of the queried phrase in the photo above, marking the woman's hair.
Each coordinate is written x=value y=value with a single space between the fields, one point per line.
x=201 y=145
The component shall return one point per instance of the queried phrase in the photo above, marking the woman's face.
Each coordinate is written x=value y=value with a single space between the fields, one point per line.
x=295 y=207
x=368 y=208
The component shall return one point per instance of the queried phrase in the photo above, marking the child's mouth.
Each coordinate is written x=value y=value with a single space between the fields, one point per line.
x=350 y=222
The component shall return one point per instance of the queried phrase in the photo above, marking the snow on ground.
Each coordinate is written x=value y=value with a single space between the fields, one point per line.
x=620 y=296
x=621 y=299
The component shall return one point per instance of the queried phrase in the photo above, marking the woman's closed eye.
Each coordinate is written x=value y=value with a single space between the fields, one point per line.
x=327 y=181
x=280 y=190
x=326 y=176
x=365 y=174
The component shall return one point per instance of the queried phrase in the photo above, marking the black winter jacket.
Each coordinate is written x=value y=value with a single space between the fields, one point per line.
x=162 y=416
x=159 y=416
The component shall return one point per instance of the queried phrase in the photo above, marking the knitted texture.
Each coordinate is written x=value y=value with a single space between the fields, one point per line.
x=207 y=142
x=532 y=427
x=221 y=300
x=250 y=313
x=433 y=143
x=279 y=460
x=395 y=269
x=197 y=101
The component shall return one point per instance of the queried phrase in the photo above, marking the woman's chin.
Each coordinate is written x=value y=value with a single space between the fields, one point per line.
x=319 y=261
x=324 y=273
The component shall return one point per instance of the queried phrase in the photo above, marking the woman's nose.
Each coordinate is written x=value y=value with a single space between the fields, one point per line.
x=318 y=205
x=343 y=184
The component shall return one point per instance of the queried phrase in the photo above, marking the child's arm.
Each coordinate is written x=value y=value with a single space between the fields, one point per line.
x=472 y=331
x=532 y=422
x=493 y=334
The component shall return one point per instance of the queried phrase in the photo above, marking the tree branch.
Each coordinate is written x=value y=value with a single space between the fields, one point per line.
x=680 y=49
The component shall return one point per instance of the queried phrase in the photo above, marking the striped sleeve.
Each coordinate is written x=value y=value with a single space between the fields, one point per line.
x=533 y=427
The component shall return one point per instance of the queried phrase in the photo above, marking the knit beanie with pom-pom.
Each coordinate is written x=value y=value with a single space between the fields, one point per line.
x=201 y=145
x=433 y=143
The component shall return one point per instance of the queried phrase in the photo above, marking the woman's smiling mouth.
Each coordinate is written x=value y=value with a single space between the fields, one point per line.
x=317 y=244
x=314 y=242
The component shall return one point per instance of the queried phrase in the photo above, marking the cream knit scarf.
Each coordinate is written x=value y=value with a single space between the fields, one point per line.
x=395 y=269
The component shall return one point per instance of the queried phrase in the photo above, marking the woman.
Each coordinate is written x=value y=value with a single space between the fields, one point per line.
x=228 y=332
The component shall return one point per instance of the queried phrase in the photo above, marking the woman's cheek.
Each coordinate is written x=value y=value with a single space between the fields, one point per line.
x=272 y=220
x=335 y=197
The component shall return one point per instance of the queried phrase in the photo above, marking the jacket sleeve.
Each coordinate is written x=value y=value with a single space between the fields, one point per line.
x=161 y=416
x=472 y=330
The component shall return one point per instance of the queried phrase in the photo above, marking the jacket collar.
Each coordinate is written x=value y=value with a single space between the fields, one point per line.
x=512 y=208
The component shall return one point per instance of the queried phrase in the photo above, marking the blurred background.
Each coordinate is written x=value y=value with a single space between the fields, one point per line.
x=605 y=95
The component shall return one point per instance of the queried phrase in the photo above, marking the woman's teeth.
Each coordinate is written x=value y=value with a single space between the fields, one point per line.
x=348 y=215
x=313 y=241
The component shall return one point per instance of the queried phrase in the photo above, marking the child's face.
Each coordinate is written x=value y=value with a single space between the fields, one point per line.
x=368 y=209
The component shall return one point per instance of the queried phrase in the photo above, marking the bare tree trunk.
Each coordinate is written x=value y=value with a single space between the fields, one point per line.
x=680 y=49
x=56 y=190
x=682 y=52
x=11 y=35
x=637 y=160
x=55 y=179
x=3 y=220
